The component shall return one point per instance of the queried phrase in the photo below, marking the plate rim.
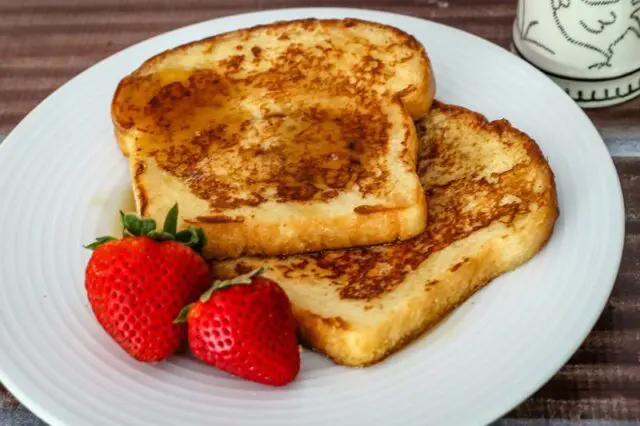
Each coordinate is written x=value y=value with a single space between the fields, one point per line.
x=490 y=413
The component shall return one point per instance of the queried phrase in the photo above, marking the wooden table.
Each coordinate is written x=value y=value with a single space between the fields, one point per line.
x=43 y=43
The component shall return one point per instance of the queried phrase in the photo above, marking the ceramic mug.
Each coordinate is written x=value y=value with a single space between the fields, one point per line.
x=591 y=48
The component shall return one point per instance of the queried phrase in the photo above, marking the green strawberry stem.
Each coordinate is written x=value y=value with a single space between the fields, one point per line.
x=243 y=279
x=135 y=226
x=98 y=242
x=171 y=221
x=182 y=316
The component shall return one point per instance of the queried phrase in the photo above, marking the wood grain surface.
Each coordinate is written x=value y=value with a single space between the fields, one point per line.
x=43 y=43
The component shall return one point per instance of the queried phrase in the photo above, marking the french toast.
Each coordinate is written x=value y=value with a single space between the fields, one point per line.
x=284 y=138
x=492 y=207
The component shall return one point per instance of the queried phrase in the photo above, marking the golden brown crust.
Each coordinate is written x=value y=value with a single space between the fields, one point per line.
x=314 y=151
x=417 y=98
x=237 y=237
x=304 y=23
x=257 y=126
x=492 y=207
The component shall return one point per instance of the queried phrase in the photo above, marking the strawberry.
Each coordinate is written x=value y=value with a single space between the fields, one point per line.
x=138 y=284
x=245 y=327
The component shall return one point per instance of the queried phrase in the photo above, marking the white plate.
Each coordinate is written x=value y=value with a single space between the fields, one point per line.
x=62 y=179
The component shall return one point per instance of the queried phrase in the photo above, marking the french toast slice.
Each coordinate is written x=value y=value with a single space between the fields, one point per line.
x=492 y=207
x=285 y=138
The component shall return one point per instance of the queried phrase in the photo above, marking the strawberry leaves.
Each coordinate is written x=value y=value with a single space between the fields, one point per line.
x=182 y=316
x=171 y=221
x=240 y=279
x=133 y=225
x=98 y=242
x=192 y=237
x=243 y=279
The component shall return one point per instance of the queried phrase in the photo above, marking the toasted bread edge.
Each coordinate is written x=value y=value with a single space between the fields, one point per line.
x=348 y=230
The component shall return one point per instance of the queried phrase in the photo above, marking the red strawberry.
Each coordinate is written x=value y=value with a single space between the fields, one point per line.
x=137 y=285
x=245 y=327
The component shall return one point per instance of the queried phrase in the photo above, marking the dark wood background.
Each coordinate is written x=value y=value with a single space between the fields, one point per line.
x=43 y=43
